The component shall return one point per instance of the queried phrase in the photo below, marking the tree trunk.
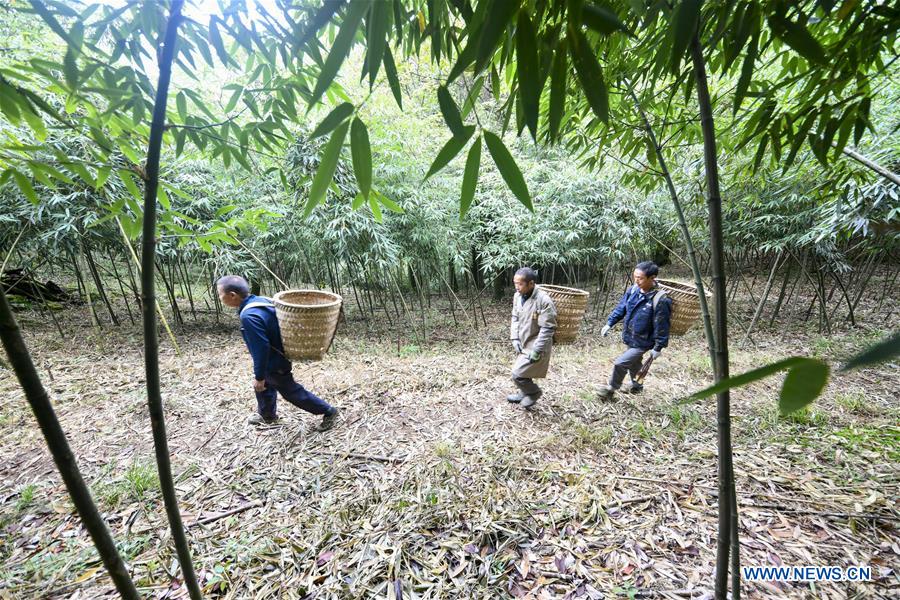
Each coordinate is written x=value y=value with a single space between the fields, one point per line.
x=727 y=507
x=151 y=338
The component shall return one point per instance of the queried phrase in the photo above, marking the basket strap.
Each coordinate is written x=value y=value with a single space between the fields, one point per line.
x=258 y=304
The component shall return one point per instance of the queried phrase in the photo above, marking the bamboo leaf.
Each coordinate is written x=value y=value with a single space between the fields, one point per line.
x=389 y=204
x=376 y=40
x=128 y=179
x=361 y=152
x=181 y=104
x=497 y=17
x=798 y=37
x=341 y=47
x=450 y=149
x=558 y=89
x=590 y=74
x=748 y=377
x=470 y=178
x=25 y=185
x=528 y=71
x=325 y=173
x=602 y=20
x=358 y=201
x=879 y=353
x=450 y=111
x=508 y=168
x=685 y=19
x=743 y=83
x=803 y=384
x=376 y=210
x=215 y=38
x=391 y=70
x=70 y=69
x=337 y=116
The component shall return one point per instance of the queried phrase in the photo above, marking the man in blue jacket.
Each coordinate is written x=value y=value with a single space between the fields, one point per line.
x=271 y=368
x=647 y=312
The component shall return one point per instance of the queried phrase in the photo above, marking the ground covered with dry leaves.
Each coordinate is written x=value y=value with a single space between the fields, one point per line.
x=433 y=486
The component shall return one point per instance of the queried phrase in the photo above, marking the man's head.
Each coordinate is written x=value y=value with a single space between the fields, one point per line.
x=524 y=280
x=645 y=275
x=233 y=289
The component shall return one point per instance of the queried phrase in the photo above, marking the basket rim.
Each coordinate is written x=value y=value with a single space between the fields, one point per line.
x=563 y=289
x=692 y=289
x=335 y=299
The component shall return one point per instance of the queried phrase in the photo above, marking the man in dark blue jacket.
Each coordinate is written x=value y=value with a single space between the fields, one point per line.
x=271 y=368
x=647 y=312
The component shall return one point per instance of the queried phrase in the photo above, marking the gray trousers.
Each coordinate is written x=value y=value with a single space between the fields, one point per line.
x=627 y=362
x=526 y=385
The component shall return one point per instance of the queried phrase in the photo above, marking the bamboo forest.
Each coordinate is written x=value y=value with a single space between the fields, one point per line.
x=449 y=299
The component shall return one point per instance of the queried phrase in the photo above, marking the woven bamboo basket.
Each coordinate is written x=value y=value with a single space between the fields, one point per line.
x=308 y=321
x=570 y=306
x=685 y=304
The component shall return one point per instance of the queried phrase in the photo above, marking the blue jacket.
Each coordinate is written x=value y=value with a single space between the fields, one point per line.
x=261 y=332
x=644 y=327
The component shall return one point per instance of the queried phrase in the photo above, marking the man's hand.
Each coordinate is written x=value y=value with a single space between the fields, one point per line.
x=259 y=385
x=517 y=346
x=654 y=354
x=534 y=356
x=605 y=330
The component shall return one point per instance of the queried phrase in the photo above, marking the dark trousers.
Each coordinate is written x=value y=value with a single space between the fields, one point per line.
x=628 y=362
x=283 y=383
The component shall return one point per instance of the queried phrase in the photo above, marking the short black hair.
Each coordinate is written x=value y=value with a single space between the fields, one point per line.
x=648 y=267
x=234 y=283
x=528 y=273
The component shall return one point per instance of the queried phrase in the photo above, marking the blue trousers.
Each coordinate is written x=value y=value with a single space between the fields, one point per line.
x=283 y=383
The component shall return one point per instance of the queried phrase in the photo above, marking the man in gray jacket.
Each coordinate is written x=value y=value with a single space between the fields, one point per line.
x=531 y=331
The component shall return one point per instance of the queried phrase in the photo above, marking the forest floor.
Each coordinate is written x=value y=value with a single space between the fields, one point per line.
x=433 y=486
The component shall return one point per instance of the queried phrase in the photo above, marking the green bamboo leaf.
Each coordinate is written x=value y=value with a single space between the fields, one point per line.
x=558 y=89
x=685 y=19
x=391 y=70
x=181 y=104
x=376 y=210
x=803 y=384
x=35 y=122
x=215 y=38
x=389 y=204
x=464 y=59
x=337 y=116
x=450 y=111
x=879 y=353
x=102 y=175
x=361 y=152
x=798 y=37
x=325 y=173
x=743 y=83
x=450 y=149
x=470 y=178
x=528 y=71
x=235 y=96
x=376 y=40
x=163 y=198
x=128 y=179
x=25 y=185
x=590 y=74
x=508 y=168
x=748 y=377
x=70 y=69
x=341 y=47
x=358 y=201
x=602 y=20
x=497 y=17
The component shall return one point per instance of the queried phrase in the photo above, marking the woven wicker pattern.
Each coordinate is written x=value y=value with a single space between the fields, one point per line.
x=570 y=306
x=685 y=304
x=308 y=321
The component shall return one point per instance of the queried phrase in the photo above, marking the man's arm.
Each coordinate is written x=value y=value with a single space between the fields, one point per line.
x=257 y=343
x=547 y=323
x=662 y=321
x=514 y=320
x=619 y=311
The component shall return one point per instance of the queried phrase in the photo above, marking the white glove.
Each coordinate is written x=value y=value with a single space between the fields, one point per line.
x=605 y=330
x=517 y=346
x=654 y=354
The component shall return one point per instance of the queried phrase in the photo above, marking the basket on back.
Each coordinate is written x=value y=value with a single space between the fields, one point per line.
x=308 y=321
x=685 y=304
x=570 y=306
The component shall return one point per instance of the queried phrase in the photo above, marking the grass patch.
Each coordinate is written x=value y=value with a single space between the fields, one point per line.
x=585 y=436
x=645 y=431
x=139 y=483
x=854 y=402
x=26 y=497
x=684 y=420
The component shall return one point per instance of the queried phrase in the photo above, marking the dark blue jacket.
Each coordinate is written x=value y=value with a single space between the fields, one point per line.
x=261 y=332
x=644 y=327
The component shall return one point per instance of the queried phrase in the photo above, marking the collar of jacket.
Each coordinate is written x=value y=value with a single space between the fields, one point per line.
x=250 y=298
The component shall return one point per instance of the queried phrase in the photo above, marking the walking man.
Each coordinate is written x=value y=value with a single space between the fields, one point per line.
x=271 y=368
x=531 y=332
x=647 y=312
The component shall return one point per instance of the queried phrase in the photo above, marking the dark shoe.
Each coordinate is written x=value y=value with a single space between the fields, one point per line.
x=258 y=419
x=606 y=394
x=529 y=400
x=515 y=398
x=329 y=420
x=636 y=388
